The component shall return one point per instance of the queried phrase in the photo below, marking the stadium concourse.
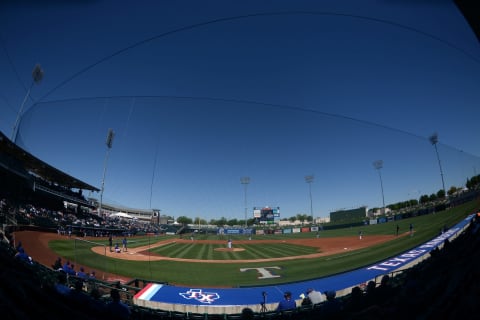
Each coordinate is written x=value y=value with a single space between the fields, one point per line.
x=208 y=300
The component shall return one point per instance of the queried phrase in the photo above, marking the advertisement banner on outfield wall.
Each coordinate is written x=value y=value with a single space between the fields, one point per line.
x=237 y=231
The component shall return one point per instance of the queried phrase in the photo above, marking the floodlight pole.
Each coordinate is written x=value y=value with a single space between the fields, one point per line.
x=309 y=180
x=245 y=181
x=379 y=165
x=434 y=140
x=37 y=76
x=109 y=143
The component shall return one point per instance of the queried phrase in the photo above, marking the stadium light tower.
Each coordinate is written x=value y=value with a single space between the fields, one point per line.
x=109 y=143
x=434 y=140
x=379 y=165
x=309 y=180
x=245 y=181
x=37 y=76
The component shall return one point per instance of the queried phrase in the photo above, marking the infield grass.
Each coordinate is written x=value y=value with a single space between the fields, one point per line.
x=229 y=274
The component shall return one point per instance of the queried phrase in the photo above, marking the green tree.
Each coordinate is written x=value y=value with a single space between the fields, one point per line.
x=199 y=220
x=184 y=220
x=302 y=217
x=424 y=199
x=452 y=190
x=441 y=194
x=233 y=222
x=473 y=182
x=221 y=222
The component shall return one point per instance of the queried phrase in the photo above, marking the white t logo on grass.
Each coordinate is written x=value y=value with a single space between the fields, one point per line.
x=263 y=271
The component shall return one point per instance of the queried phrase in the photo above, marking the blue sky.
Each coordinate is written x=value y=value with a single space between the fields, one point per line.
x=202 y=93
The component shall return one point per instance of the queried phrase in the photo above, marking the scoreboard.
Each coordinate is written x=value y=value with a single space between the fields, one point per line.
x=266 y=215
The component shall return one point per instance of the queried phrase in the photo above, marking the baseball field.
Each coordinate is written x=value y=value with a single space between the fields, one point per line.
x=207 y=261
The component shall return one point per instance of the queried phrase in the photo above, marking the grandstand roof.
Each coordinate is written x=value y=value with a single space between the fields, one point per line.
x=40 y=168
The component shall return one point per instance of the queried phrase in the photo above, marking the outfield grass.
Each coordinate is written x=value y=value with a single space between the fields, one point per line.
x=229 y=275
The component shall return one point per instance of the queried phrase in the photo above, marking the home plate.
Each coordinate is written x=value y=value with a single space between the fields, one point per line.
x=345 y=248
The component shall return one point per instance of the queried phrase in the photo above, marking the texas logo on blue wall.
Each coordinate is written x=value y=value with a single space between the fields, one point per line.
x=200 y=296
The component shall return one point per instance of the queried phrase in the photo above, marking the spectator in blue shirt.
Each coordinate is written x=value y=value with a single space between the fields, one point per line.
x=66 y=267
x=116 y=309
x=81 y=274
x=19 y=245
x=22 y=255
x=61 y=286
x=287 y=303
x=72 y=271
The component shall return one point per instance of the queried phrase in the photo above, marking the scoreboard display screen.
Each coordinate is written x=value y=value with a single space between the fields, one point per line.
x=266 y=215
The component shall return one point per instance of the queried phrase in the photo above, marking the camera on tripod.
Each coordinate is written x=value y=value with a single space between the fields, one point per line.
x=262 y=303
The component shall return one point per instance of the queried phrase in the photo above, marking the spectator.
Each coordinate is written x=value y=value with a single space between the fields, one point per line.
x=81 y=274
x=116 y=309
x=97 y=305
x=370 y=292
x=356 y=301
x=287 y=303
x=22 y=255
x=19 y=246
x=305 y=300
x=247 y=314
x=332 y=308
x=57 y=265
x=385 y=290
x=72 y=271
x=61 y=286
x=315 y=296
x=78 y=296
x=66 y=267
